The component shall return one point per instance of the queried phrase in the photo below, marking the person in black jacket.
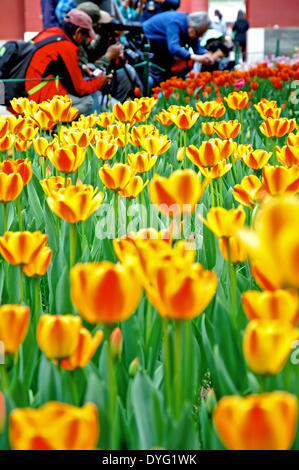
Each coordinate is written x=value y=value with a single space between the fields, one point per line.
x=240 y=28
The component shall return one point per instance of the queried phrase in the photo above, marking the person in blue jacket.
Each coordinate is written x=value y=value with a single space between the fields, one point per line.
x=175 y=35
x=152 y=7
x=48 y=13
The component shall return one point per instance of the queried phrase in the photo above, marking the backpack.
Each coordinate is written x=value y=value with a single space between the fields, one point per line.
x=15 y=57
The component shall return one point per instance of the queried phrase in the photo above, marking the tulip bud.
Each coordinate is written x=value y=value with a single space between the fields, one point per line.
x=180 y=156
x=2 y=412
x=48 y=172
x=210 y=401
x=134 y=367
x=116 y=342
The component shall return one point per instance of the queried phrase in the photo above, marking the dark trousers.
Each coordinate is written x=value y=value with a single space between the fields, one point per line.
x=163 y=59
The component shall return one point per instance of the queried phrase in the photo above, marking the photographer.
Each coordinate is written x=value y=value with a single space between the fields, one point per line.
x=106 y=53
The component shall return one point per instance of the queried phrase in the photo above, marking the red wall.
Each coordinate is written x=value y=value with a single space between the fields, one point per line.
x=12 y=19
x=194 y=5
x=33 y=15
x=267 y=13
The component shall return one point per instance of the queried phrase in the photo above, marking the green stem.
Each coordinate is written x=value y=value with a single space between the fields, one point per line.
x=19 y=213
x=233 y=168
x=217 y=193
x=233 y=283
x=5 y=216
x=212 y=194
x=129 y=214
x=115 y=214
x=178 y=368
x=220 y=190
x=21 y=286
x=126 y=143
x=82 y=236
x=112 y=386
x=149 y=314
x=241 y=122
x=185 y=148
x=73 y=241
x=36 y=300
x=65 y=180
x=4 y=378
x=166 y=363
x=274 y=156
x=74 y=389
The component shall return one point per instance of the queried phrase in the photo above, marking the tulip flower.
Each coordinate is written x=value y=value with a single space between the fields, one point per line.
x=266 y=111
x=277 y=127
x=279 y=180
x=11 y=186
x=3 y=126
x=250 y=192
x=224 y=222
x=58 y=335
x=156 y=145
x=15 y=125
x=177 y=194
x=20 y=248
x=74 y=136
x=27 y=133
x=216 y=171
x=105 y=150
x=19 y=105
x=42 y=120
x=185 y=120
x=134 y=367
x=208 y=128
x=257 y=422
x=164 y=118
x=105 y=119
x=40 y=146
x=256 y=159
x=207 y=155
x=210 y=109
x=14 y=323
x=86 y=122
x=125 y=112
x=75 y=203
x=141 y=162
x=146 y=104
x=243 y=149
x=51 y=427
x=6 y=142
x=226 y=147
x=22 y=145
x=137 y=134
x=237 y=100
x=67 y=159
x=104 y=292
x=2 y=412
x=54 y=183
x=267 y=345
x=293 y=140
x=134 y=187
x=288 y=155
x=279 y=305
x=39 y=265
x=117 y=177
x=227 y=129
x=59 y=110
x=86 y=348
x=232 y=249
x=179 y=291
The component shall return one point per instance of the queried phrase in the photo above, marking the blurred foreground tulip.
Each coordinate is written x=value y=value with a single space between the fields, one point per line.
x=104 y=292
x=51 y=427
x=224 y=222
x=14 y=323
x=257 y=422
x=278 y=180
x=232 y=250
x=58 y=335
x=288 y=155
x=250 y=192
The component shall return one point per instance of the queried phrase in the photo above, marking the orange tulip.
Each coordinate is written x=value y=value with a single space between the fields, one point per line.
x=3 y=126
x=75 y=203
x=134 y=187
x=117 y=177
x=27 y=133
x=227 y=129
x=86 y=122
x=139 y=133
x=156 y=145
x=164 y=118
x=177 y=194
x=232 y=250
x=86 y=348
x=15 y=125
x=267 y=345
x=105 y=150
x=54 y=183
x=243 y=149
x=237 y=100
x=40 y=146
x=208 y=128
x=146 y=104
x=104 y=292
x=22 y=145
x=67 y=159
x=216 y=171
x=257 y=422
x=54 y=426
x=141 y=162
x=42 y=120
x=20 y=166
x=58 y=335
x=207 y=155
x=267 y=111
x=185 y=120
x=250 y=192
x=39 y=265
x=6 y=143
x=20 y=248
x=19 y=105
x=293 y=140
x=256 y=159
x=279 y=180
x=288 y=155
x=125 y=112
x=105 y=119
x=224 y=222
x=59 y=110
x=277 y=127
x=14 y=323
x=10 y=186
x=75 y=136
x=210 y=109
x=279 y=305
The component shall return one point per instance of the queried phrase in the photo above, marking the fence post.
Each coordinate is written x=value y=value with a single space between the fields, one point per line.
x=146 y=70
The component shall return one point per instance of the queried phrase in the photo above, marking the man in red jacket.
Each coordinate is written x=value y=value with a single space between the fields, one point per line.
x=60 y=59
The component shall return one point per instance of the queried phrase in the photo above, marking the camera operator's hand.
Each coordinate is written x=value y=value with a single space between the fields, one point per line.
x=114 y=51
x=106 y=78
x=88 y=70
x=203 y=58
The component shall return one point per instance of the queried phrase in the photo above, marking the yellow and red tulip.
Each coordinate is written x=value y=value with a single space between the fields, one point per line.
x=14 y=323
